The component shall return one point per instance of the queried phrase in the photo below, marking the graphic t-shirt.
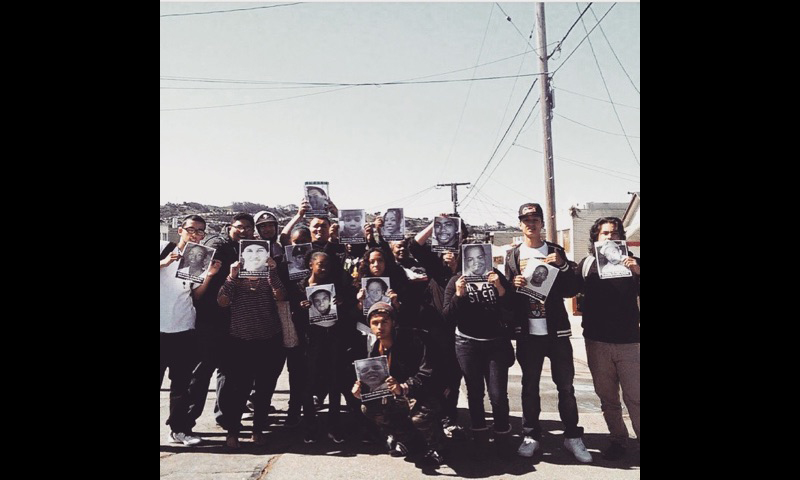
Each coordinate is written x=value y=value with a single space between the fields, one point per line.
x=537 y=318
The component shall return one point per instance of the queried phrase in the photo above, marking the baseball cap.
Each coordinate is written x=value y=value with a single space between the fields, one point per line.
x=378 y=307
x=530 y=209
x=265 y=217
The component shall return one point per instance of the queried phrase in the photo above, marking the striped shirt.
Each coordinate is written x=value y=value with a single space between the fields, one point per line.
x=254 y=311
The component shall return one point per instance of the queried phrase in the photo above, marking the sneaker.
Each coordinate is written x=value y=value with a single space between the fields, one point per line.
x=184 y=438
x=293 y=419
x=528 y=447
x=232 y=441
x=454 y=431
x=432 y=457
x=399 y=450
x=577 y=448
x=335 y=437
x=259 y=438
x=615 y=451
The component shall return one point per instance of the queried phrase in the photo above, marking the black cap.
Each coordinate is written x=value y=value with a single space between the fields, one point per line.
x=530 y=209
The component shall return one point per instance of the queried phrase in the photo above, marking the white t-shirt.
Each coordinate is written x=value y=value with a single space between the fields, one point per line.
x=177 y=309
x=537 y=320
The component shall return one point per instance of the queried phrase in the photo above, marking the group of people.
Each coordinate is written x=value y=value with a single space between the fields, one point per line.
x=434 y=326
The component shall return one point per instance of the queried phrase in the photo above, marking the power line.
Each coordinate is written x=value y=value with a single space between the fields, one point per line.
x=568 y=32
x=508 y=17
x=588 y=166
x=466 y=100
x=595 y=98
x=228 y=11
x=596 y=129
x=581 y=42
x=395 y=202
x=251 y=103
x=360 y=84
x=608 y=92
x=615 y=56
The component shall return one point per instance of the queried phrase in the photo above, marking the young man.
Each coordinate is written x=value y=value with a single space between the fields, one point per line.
x=413 y=410
x=213 y=321
x=611 y=332
x=178 y=342
x=544 y=331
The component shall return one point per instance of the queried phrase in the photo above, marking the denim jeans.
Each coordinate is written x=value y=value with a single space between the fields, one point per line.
x=614 y=365
x=489 y=360
x=531 y=350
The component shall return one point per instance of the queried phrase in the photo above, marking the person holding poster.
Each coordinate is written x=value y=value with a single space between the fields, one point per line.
x=413 y=382
x=543 y=330
x=178 y=335
x=610 y=324
x=325 y=342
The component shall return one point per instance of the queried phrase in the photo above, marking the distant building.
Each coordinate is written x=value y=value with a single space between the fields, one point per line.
x=164 y=232
x=630 y=220
x=575 y=238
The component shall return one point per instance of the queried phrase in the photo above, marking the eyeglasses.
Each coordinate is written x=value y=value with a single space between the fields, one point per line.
x=242 y=227
x=194 y=231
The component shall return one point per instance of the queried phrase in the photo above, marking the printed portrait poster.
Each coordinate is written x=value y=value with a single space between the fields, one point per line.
x=394 y=225
x=446 y=234
x=253 y=256
x=476 y=261
x=610 y=255
x=296 y=260
x=195 y=262
x=351 y=226
x=372 y=373
x=323 y=310
x=375 y=289
x=316 y=193
x=540 y=277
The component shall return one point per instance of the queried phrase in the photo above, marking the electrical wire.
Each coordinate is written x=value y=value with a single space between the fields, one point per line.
x=250 y=103
x=588 y=166
x=615 y=56
x=581 y=42
x=466 y=100
x=508 y=17
x=561 y=89
x=608 y=92
x=568 y=31
x=596 y=129
x=228 y=11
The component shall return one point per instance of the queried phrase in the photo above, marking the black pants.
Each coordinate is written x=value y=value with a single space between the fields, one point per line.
x=178 y=353
x=245 y=362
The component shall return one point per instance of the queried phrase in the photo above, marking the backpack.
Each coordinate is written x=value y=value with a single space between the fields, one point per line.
x=587 y=264
x=167 y=250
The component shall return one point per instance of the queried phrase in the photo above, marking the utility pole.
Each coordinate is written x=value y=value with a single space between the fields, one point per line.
x=547 y=105
x=453 y=193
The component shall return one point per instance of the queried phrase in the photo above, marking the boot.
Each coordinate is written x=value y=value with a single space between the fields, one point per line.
x=480 y=443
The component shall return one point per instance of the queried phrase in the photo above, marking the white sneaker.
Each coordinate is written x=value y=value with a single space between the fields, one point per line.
x=576 y=446
x=188 y=440
x=528 y=447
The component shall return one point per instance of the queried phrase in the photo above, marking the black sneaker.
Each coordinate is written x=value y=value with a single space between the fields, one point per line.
x=615 y=451
x=432 y=457
x=399 y=450
x=293 y=419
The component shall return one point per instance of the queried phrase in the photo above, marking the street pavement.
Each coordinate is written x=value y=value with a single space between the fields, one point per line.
x=286 y=457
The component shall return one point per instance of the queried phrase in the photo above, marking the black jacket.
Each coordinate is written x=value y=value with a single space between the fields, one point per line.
x=414 y=362
x=610 y=308
x=566 y=285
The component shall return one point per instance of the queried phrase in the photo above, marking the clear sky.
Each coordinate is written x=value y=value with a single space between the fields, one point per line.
x=241 y=121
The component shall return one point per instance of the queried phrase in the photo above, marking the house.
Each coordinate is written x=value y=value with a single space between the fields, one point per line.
x=575 y=237
x=630 y=220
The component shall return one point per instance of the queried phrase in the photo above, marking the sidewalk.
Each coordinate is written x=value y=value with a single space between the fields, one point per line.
x=286 y=457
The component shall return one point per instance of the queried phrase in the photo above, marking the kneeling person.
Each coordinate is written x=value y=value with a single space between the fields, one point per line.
x=413 y=410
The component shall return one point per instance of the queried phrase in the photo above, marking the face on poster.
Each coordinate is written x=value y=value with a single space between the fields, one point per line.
x=610 y=255
x=476 y=260
x=375 y=289
x=352 y=225
x=195 y=262
x=316 y=194
x=394 y=225
x=540 y=277
x=296 y=257
x=253 y=256
x=446 y=233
